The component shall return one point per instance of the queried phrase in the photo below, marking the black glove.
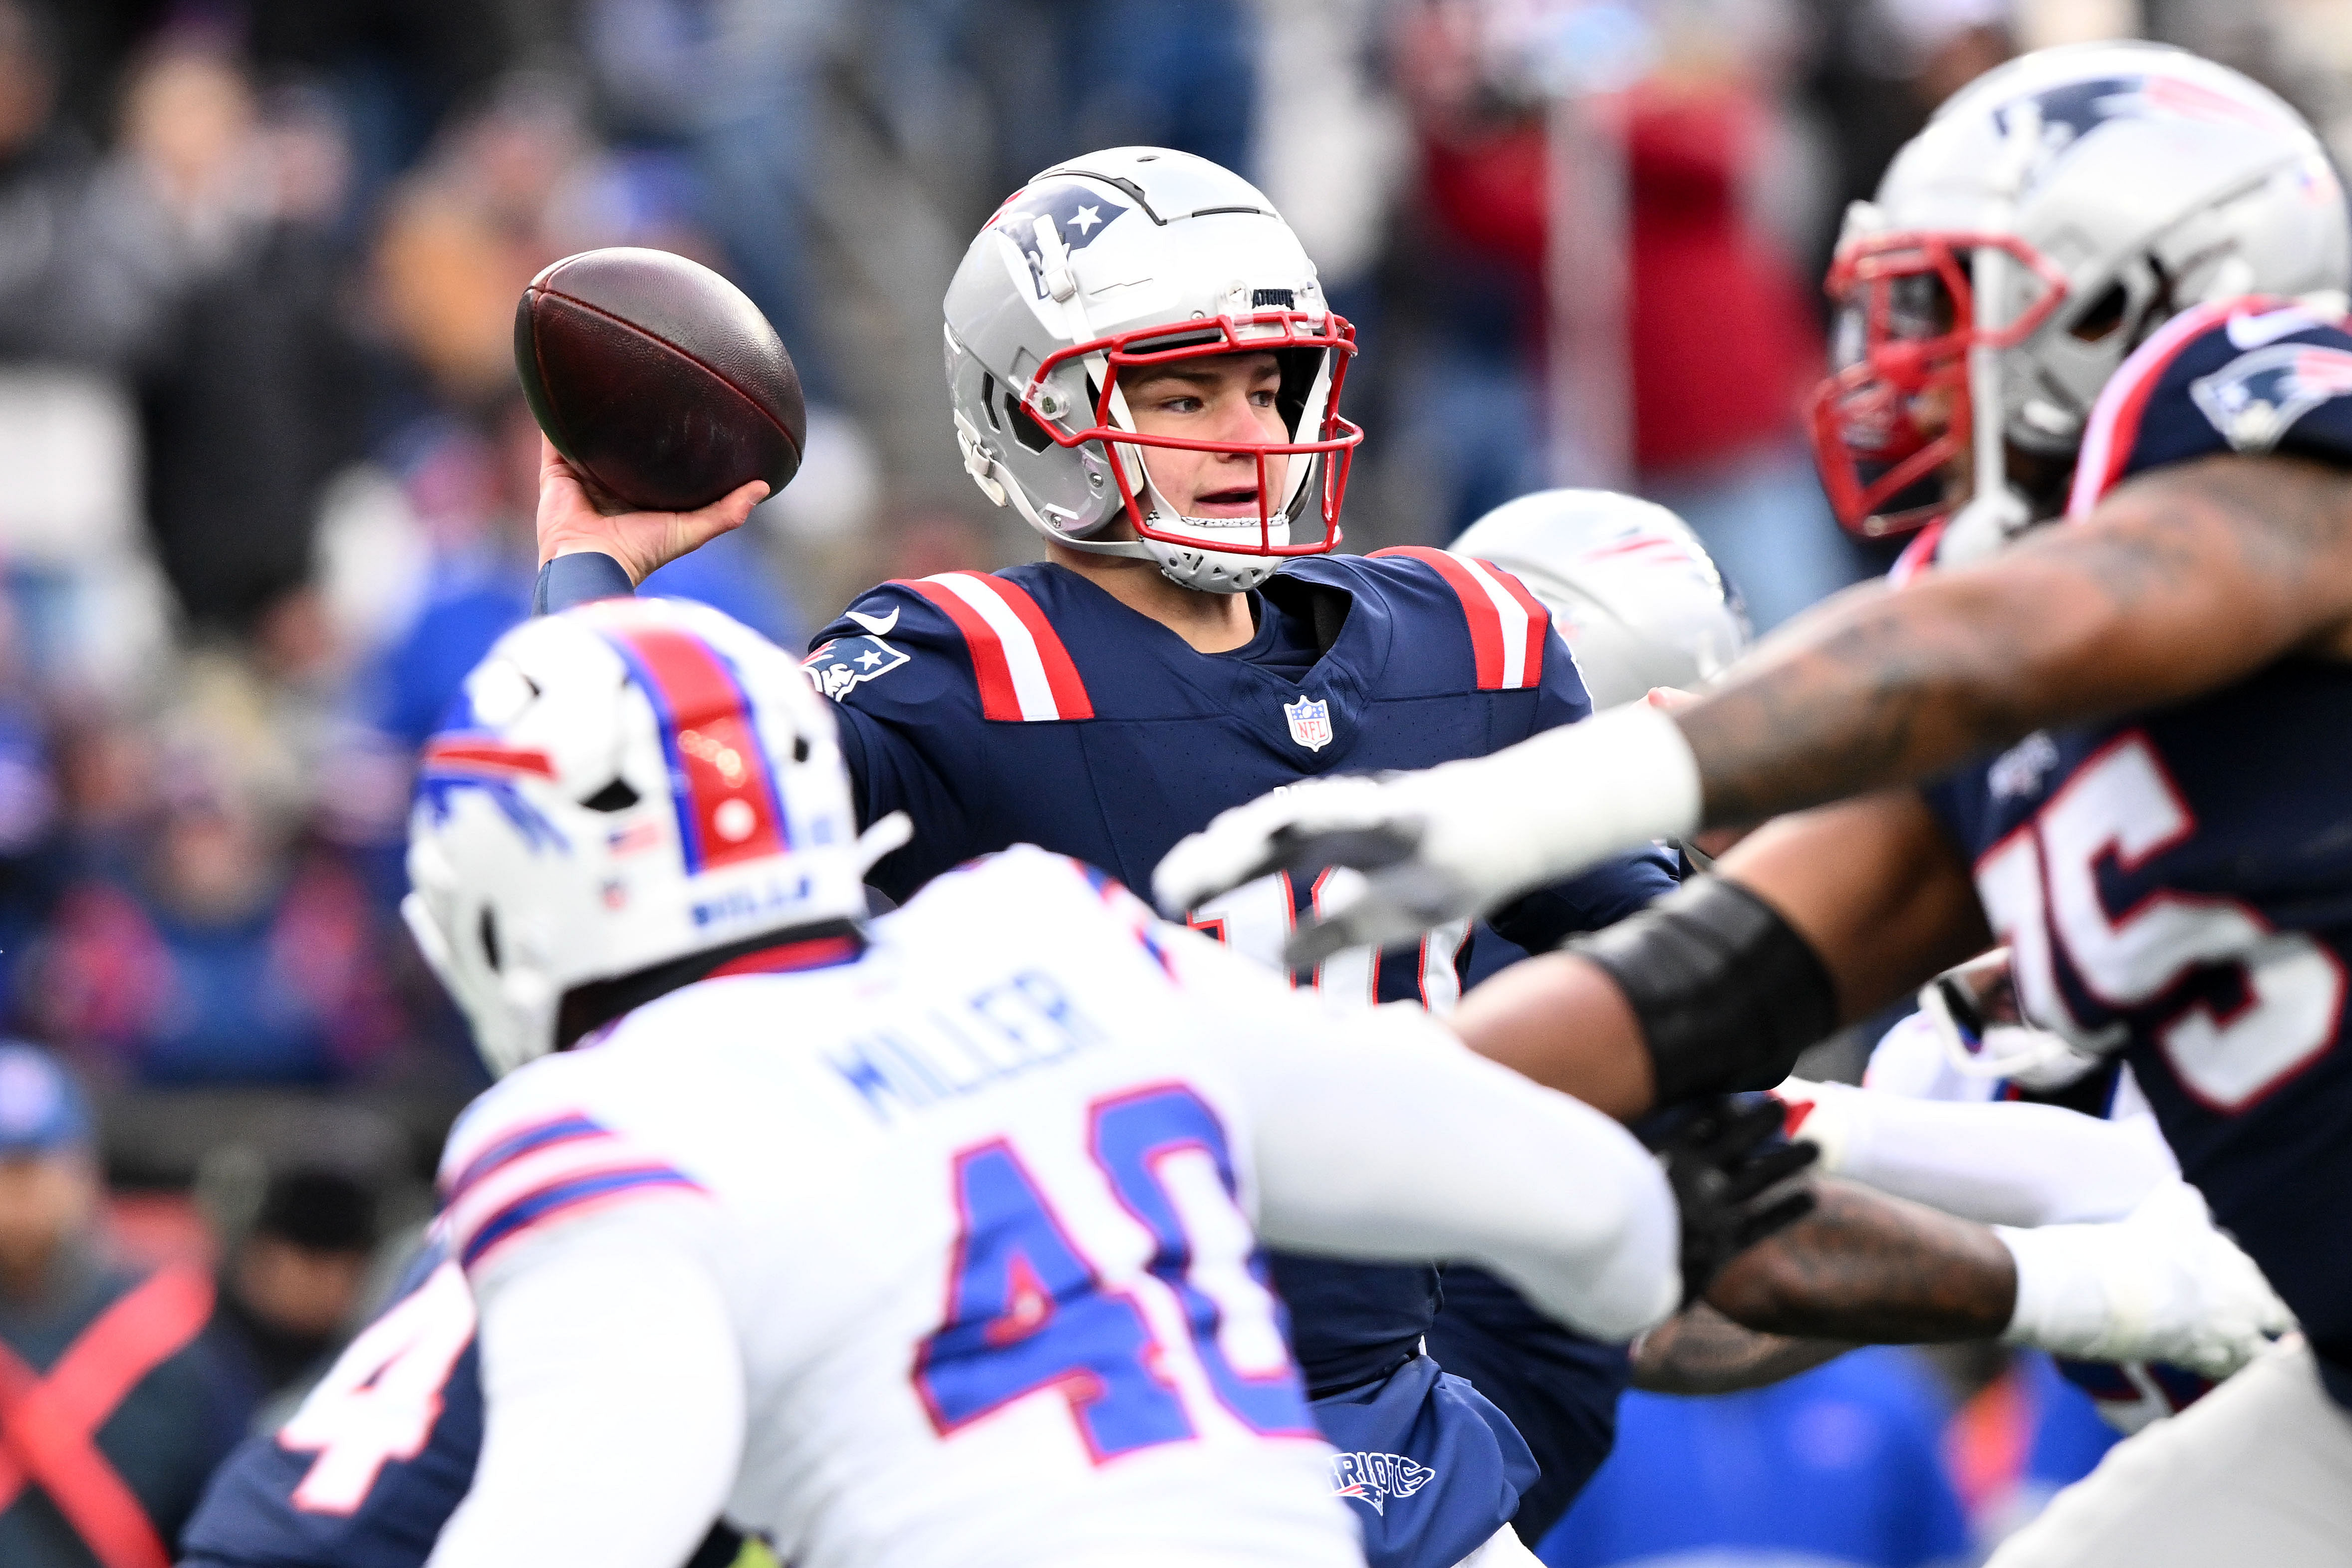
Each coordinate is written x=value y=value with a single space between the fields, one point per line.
x=1724 y=1157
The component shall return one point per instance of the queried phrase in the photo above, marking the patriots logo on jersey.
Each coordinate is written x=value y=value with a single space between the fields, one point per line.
x=1310 y=721
x=848 y=662
x=1375 y=1478
x=2256 y=399
x=1078 y=212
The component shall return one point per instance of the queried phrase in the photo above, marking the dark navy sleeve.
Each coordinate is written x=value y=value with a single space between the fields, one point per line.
x=900 y=677
x=580 y=578
x=2246 y=375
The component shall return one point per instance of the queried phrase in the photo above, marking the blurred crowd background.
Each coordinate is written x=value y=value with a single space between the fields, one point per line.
x=267 y=480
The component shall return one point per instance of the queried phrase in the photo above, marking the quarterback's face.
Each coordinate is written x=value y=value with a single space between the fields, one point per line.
x=1229 y=397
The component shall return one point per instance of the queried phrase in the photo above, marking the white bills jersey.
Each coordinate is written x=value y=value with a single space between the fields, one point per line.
x=978 y=1196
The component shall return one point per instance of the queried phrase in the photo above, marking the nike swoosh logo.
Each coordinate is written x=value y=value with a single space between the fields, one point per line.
x=878 y=624
x=2253 y=332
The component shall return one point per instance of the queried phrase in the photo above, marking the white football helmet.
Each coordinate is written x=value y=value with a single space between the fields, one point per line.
x=2053 y=214
x=1138 y=256
x=1630 y=586
x=1974 y=1008
x=625 y=784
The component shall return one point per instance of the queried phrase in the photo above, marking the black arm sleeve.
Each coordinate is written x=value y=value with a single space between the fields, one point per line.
x=1727 y=992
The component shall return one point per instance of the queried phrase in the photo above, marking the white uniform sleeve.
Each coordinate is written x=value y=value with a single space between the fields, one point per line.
x=1377 y=1134
x=615 y=1395
x=1999 y=1162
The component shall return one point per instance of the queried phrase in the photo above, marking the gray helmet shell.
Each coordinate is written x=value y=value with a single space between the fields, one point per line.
x=1106 y=248
x=1630 y=587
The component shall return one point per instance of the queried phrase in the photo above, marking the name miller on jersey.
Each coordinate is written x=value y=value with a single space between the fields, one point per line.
x=1005 y=1032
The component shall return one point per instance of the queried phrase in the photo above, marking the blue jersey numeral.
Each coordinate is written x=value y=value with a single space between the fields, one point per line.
x=1027 y=1311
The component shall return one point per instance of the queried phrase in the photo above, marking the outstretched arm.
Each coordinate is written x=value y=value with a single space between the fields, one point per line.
x=2181 y=582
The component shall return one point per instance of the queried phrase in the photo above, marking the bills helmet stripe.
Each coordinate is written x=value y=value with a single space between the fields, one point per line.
x=727 y=808
x=2114 y=428
x=1507 y=623
x=485 y=755
x=1024 y=670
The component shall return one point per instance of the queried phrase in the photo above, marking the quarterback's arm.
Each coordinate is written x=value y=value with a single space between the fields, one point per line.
x=614 y=1394
x=571 y=522
x=2000 y=1161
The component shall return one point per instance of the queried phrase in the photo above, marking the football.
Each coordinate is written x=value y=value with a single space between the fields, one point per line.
x=657 y=379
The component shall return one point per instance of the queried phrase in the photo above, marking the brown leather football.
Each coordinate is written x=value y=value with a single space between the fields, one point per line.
x=657 y=379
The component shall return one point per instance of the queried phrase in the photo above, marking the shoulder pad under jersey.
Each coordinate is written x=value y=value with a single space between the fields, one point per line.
x=887 y=650
x=1503 y=624
x=2239 y=375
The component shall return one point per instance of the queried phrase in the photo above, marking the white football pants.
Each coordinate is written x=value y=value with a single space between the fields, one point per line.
x=2258 y=1471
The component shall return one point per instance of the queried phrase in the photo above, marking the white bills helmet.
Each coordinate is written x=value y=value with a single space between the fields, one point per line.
x=2053 y=214
x=1632 y=590
x=624 y=784
x=1134 y=256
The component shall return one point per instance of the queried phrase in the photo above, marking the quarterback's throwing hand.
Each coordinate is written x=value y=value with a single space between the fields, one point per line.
x=571 y=520
x=1449 y=841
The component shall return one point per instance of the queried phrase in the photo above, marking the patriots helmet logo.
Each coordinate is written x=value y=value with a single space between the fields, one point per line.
x=2069 y=113
x=1079 y=213
x=2256 y=399
x=1310 y=721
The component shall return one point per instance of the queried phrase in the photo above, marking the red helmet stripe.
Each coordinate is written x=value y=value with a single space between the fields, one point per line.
x=729 y=810
x=485 y=755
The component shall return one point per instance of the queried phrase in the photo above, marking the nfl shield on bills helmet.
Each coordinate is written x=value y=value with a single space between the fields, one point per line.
x=2053 y=214
x=1631 y=588
x=1140 y=256
x=623 y=784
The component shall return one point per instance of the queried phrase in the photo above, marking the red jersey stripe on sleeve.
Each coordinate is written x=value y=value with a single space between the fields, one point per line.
x=1024 y=670
x=2114 y=428
x=1507 y=623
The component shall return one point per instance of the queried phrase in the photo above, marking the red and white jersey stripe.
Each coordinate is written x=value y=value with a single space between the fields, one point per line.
x=2114 y=428
x=1025 y=672
x=1507 y=623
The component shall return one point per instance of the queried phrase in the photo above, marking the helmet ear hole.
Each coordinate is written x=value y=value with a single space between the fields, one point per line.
x=2106 y=314
x=487 y=931
x=800 y=748
x=618 y=795
x=1026 y=428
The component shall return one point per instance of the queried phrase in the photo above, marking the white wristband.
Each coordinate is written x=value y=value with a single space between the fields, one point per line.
x=1553 y=806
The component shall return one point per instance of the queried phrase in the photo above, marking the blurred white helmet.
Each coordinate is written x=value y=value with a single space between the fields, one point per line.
x=1974 y=1008
x=1627 y=583
x=621 y=785
x=1138 y=256
x=2053 y=214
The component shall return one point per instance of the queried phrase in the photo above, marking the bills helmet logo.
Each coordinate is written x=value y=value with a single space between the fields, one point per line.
x=1310 y=721
x=1373 y=1479
x=2256 y=399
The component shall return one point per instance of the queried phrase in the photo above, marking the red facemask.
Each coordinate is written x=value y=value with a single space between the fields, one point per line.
x=1896 y=411
x=1279 y=331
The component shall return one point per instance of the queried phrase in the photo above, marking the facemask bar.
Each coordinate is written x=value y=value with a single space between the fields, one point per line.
x=1864 y=413
x=1271 y=331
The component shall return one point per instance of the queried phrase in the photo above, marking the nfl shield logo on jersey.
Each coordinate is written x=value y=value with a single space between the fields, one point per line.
x=1310 y=721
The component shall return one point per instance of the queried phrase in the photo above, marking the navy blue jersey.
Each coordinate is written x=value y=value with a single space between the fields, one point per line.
x=378 y=1456
x=2177 y=884
x=1030 y=707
